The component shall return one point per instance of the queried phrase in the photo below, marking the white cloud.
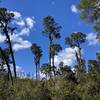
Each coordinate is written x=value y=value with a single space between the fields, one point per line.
x=19 y=69
x=67 y=56
x=23 y=21
x=2 y=38
x=20 y=22
x=24 y=31
x=24 y=24
x=23 y=44
x=74 y=9
x=91 y=38
x=30 y=22
x=19 y=43
x=17 y=14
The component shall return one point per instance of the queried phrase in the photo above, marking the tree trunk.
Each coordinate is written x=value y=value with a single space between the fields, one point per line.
x=46 y=76
x=80 y=59
x=10 y=47
x=12 y=55
x=8 y=66
x=50 y=44
x=53 y=66
x=36 y=71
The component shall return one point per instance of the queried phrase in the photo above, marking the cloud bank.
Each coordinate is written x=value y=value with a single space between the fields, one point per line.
x=67 y=56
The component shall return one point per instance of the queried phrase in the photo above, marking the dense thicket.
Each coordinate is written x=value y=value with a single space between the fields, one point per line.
x=64 y=87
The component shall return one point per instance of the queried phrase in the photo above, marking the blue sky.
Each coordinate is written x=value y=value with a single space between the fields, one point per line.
x=63 y=14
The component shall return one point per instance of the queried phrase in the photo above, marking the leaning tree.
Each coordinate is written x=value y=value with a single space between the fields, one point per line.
x=6 y=18
x=75 y=40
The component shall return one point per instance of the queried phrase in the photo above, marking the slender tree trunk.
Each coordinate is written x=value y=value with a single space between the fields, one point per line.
x=10 y=46
x=80 y=58
x=8 y=66
x=12 y=55
x=36 y=71
x=53 y=66
x=80 y=64
x=46 y=76
x=50 y=44
x=78 y=61
x=77 y=58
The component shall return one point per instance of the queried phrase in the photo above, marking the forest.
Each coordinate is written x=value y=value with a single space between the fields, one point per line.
x=60 y=82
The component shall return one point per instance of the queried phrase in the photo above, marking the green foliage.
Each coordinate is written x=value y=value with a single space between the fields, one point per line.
x=5 y=16
x=75 y=39
x=98 y=55
x=45 y=69
x=64 y=87
x=51 y=27
x=90 y=12
x=55 y=48
x=97 y=26
x=36 y=50
x=51 y=31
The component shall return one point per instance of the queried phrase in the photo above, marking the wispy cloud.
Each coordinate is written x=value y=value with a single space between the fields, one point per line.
x=74 y=8
x=30 y=22
x=24 y=31
x=2 y=38
x=20 y=22
x=91 y=38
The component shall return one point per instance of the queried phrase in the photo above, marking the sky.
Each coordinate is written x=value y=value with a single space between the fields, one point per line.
x=29 y=19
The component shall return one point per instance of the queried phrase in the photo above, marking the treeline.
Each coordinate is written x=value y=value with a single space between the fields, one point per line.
x=60 y=82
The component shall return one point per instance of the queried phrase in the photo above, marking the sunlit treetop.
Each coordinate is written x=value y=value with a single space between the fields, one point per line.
x=90 y=12
x=75 y=39
x=51 y=27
